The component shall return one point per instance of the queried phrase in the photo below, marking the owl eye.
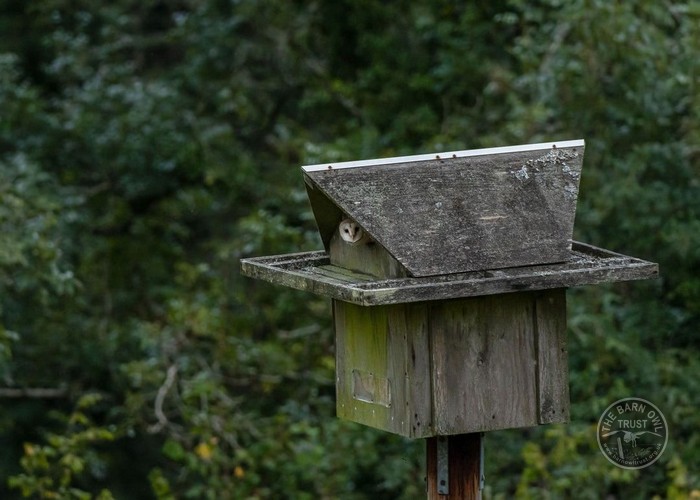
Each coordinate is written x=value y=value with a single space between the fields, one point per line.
x=346 y=230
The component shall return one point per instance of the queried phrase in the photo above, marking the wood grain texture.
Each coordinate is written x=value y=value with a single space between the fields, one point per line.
x=464 y=469
x=410 y=364
x=453 y=367
x=382 y=367
x=361 y=346
x=368 y=258
x=484 y=364
x=453 y=215
x=310 y=271
x=552 y=357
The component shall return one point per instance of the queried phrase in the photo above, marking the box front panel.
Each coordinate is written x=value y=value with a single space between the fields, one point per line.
x=484 y=364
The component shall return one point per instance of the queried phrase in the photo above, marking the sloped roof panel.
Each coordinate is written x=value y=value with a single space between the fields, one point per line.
x=458 y=211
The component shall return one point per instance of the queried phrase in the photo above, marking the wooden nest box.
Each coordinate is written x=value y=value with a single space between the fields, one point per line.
x=450 y=306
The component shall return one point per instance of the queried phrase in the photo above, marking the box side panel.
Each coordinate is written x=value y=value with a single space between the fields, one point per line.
x=363 y=393
x=383 y=367
x=484 y=364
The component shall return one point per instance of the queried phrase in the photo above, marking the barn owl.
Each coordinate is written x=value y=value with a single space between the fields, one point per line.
x=351 y=232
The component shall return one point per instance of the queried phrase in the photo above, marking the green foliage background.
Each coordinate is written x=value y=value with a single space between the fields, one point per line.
x=146 y=146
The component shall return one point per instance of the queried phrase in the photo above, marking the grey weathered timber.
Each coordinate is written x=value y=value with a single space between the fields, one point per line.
x=368 y=258
x=453 y=367
x=312 y=272
x=485 y=364
x=552 y=358
x=457 y=212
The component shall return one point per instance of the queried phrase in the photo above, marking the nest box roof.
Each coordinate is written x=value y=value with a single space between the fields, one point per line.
x=458 y=211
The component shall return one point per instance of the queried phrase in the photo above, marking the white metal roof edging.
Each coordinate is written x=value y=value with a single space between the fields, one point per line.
x=445 y=156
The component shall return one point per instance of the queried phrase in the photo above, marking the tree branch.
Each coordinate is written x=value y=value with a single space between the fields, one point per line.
x=160 y=398
x=33 y=393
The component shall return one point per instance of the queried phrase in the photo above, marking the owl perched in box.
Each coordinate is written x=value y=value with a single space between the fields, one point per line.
x=352 y=234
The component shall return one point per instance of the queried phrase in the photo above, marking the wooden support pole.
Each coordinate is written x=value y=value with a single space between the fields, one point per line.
x=463 y=468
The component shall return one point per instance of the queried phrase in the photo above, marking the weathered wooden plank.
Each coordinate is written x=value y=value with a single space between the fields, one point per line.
x=342 y=274
x=366 y=257
x=383 y=367
x=450 y=215
x=290 y=260
x=409 y=362
x=552 y=357
x=586 y=265
x=275 y=270
x=361 y=352
x=517 y=283
x=484 y=364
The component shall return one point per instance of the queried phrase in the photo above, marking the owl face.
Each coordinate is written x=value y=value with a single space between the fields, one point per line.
x=350 y=232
